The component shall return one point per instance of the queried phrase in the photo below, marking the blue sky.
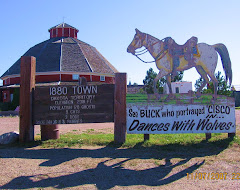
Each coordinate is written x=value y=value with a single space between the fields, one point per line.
x=109 y=25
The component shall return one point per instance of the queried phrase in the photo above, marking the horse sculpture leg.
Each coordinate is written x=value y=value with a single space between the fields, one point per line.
x=168 y=77
x=207 y=63
x=215 y=84
x=161 y=74
x=203 y=74
x=169 y=80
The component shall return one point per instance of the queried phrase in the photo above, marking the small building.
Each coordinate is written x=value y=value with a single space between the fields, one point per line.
x=134 y=89
x=178 y=87
x=62 y=58
x=236 y=95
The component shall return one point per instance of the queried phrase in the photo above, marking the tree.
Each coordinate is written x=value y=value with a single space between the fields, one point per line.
x=198 y=83
x=222 y=89
x=148 y=81
x=178 y=77
x=151 y=75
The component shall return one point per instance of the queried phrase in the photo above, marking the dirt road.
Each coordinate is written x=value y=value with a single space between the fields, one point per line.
x=213 y=165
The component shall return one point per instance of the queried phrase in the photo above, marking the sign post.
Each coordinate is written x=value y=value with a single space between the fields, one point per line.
x=120 y=107
x=49 y=132
x=27 y=85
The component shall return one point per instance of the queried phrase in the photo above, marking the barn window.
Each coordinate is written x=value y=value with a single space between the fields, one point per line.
x=11 y=97
x=75 y=77
x=102 y=78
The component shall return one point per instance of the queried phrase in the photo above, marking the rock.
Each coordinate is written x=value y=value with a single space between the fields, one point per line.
x=17 y=108
x=8 y=138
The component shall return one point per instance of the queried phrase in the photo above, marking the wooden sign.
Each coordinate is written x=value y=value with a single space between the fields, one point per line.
x=73 y=104
x=171 y=119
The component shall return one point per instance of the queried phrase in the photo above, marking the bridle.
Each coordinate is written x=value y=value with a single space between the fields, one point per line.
x=141 y=52
x=137 y=55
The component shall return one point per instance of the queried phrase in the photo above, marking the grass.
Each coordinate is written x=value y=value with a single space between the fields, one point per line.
x=131 y=98
x=183 y=98
x=169 y=141
x=164 y=142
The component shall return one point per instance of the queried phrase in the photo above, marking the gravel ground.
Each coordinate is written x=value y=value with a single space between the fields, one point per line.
x=8 y=124
x=117 y=168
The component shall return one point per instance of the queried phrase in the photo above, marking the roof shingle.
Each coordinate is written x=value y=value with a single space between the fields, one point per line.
x=65 y=54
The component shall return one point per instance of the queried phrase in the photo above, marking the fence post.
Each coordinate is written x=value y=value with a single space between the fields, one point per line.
x=231 y=135
x=120 y=107
x=27 y=85
x=146 y=137
x=208 y=136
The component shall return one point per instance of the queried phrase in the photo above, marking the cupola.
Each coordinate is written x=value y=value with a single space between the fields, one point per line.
x=63 y=30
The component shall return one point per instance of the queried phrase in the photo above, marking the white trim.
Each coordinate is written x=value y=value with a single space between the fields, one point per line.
x=60 y=68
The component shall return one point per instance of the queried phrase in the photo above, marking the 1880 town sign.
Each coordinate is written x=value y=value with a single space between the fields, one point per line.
x=73 y=104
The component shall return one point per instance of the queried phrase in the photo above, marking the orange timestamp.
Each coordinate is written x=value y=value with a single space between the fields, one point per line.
x=212 y=176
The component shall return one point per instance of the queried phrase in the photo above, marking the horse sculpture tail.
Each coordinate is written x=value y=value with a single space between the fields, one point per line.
x=226 y=62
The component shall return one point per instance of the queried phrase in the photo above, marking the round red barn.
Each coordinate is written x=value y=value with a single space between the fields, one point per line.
x=62 y=59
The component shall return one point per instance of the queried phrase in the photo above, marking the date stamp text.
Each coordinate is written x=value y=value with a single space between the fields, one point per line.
x=213 y=176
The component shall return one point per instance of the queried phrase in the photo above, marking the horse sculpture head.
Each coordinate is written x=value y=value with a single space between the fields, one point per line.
x=137 y=42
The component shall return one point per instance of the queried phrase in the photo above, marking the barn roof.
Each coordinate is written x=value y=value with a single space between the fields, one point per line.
x=65 y=54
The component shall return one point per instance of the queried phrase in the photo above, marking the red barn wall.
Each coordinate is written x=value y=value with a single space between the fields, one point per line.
x=110 y=80
x=56 y=78
x=72 y=32
x=54 y=33
x=87 y=77
x=59 y=32
x=66 y=32
x=15 y=80
x=47 y=78
x=66 y=78
x=95 y=78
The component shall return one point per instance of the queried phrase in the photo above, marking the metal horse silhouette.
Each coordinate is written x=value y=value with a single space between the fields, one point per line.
x=171 y=57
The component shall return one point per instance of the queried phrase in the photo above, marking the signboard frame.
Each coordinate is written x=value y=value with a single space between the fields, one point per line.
x=72 y=104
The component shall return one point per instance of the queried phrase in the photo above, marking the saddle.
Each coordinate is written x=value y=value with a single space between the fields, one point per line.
x=176 y=51
x=187 y=50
